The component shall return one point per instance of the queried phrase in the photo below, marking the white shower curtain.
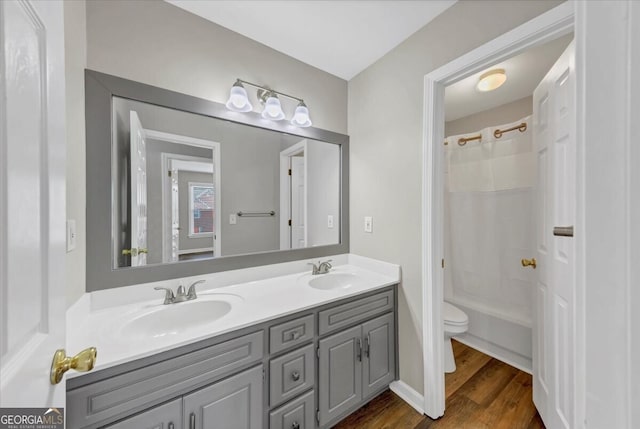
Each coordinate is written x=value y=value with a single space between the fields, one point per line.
x=490 y=221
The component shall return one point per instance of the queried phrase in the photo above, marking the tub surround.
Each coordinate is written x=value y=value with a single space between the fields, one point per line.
x=256 y=295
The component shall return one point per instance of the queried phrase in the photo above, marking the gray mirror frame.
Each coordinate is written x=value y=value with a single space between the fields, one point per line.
x=100 y=88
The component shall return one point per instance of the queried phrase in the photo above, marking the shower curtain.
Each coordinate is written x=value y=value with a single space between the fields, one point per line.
x=490 y=222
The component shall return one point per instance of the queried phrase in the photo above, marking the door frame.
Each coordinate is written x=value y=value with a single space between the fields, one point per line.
x=169 y=161
x=285 y=189
x=544 y=28
x=191 y=141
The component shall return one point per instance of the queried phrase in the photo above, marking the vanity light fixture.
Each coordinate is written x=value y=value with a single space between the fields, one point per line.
x=301 y=116
x=238 y=99
x=239 y=102
x=493 y=79
x=272 y=107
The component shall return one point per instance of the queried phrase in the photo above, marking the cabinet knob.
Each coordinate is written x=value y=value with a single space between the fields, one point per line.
x=171 y=426
x=295 y=335
x=295 y=425
x=295 y=375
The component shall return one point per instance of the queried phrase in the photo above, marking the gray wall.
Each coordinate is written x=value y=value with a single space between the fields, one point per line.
x=386 y=148
x=504 y=114
x=323 y=193
x=75 y=61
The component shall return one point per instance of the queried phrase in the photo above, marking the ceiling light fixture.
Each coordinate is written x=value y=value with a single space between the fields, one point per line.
x=239 y=102
x=493 y=79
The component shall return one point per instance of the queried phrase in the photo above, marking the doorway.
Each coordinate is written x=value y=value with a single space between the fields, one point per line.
x=293 y=196
x=552 y=25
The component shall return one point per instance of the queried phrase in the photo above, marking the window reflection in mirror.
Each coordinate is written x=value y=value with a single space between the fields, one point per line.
x=194 y=187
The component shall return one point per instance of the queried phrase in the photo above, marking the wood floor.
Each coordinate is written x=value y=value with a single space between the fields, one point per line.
x=483 y=393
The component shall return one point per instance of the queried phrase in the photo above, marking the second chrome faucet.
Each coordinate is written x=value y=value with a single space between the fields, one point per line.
x=180 y=295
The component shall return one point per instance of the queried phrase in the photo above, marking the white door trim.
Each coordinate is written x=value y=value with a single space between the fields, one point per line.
x=191 y=141
x=285 y=189
x=544 y=28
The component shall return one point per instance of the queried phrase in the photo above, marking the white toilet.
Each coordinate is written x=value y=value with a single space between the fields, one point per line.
x=456 y=322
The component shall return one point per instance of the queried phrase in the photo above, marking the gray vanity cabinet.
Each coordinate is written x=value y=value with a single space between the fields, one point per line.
x=354 y=364
x=305 y=370
x=379 y=360
x=166 y=416
x=234 y=403
x=340 y=373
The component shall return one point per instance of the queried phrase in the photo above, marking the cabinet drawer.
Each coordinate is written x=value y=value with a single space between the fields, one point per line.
x=291 y=374
x=352 y=312
x=138 y=389
x=297 y=414
x=290 y=334
x=166 y=416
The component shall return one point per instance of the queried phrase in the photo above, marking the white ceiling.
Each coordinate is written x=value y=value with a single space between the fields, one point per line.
x=340 y=37
x=524 y=73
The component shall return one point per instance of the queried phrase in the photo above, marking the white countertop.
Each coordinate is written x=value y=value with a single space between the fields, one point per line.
x=256 y=295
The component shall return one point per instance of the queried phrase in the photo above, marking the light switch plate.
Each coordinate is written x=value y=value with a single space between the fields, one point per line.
x=233 y=219
x=330 y=221
x=368 y=224
x=71 y=235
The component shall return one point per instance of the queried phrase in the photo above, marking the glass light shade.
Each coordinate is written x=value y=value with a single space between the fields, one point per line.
x=238 y=99
x=273 y=109
x=491 y=80
x=301 y=116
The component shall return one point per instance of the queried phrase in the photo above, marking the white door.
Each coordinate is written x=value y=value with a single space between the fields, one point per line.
x=138 y=146
x=298 y=203
x=32 y=201
x=553 y=337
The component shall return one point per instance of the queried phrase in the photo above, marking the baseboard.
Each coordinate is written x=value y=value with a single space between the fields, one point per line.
x=495 y=351
x=408 y=395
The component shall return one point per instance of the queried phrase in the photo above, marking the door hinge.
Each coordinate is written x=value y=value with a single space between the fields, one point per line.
x=318 y=352
x=289 y=172
x=289 y=222
x=169 y=173
x=442 y=263
x=318 y=415
x=264 y=376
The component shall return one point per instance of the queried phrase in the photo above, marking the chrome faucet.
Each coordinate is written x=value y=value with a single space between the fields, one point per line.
x=323 y=267
x=180 y=295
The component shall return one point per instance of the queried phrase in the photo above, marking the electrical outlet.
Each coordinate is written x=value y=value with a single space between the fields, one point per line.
x=368 y=224
x=71 y=235
x=330 y=221
x=233 y=219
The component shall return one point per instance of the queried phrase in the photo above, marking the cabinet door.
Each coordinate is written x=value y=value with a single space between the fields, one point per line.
x=379 y=360
x=234 y=403
x=340 y=373
x=167 y=416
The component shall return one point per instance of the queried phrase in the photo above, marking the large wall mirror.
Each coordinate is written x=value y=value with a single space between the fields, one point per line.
x=179 y=186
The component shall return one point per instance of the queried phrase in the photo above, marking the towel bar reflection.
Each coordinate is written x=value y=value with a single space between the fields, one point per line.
x=256 y=214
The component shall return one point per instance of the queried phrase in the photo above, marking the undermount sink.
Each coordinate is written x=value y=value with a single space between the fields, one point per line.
x=175 y=319
x=334 y=281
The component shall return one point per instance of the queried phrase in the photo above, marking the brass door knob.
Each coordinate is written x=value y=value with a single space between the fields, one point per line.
x=82 y=362
x=529 y=263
